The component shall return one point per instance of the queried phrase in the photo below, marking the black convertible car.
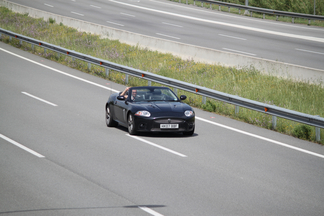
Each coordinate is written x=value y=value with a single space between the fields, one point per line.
x=150 y=109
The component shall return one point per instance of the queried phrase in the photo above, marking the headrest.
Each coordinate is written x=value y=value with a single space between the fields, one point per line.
x=157 y=92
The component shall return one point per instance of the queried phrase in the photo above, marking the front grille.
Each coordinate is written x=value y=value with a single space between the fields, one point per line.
x=169 y=121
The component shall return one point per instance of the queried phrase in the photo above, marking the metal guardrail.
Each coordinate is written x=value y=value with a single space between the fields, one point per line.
x=263 y=10
x=199 y=90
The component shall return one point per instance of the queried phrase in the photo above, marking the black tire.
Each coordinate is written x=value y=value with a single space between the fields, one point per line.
x=189 y=133
x=131 y=124
x=109 y=120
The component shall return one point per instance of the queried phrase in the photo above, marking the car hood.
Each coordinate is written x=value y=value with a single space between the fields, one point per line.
x=163 y=107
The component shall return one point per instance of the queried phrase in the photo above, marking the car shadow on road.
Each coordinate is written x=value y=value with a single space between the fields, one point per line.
x=159 y=134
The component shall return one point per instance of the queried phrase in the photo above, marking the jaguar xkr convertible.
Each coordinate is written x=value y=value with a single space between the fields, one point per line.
x=150 y=109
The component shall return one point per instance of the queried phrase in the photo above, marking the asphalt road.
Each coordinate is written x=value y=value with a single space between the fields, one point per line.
x=58 y=157
x=285 y=42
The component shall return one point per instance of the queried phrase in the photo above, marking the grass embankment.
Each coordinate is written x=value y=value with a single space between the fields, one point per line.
x=247 y=82
x=295 y=6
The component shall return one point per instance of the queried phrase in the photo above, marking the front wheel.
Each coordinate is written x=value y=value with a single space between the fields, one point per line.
x=131 y=124
x=109 y=120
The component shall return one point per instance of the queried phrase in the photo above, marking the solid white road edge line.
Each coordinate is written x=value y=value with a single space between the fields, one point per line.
x=310 y=38
x=199 y=9
x=158 y=146
x=58 y=71
x=150 y=211
x=262 y=138
x=214 y=123
x=37 y=98
x=21 y=146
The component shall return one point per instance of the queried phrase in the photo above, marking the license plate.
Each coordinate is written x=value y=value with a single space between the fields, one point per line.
x=169 y=126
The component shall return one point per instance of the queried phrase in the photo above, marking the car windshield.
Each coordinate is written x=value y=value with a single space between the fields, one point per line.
x=140 y=94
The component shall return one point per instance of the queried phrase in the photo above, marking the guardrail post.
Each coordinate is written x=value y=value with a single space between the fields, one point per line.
x=293 y=20
x=308 y=21
x=149 y=83
x=277 y=18
x=89 y=66
x=210 y=6
x=237 y=109
x=246 y=4
x=10 y=38
x=219 y=8
x=186 y=1
x=239 y=11
x=274 y=122
x=204 y=100
x=318 y=133
x=126 y=79
x=263 y=16
x=20 y=42
x=0 y=36
x=58 y=55
x=45 y=50
x=107 y=72
x=229 y=9
x=33 y=48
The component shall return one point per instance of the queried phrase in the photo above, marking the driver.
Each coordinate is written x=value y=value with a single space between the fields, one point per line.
x=134 y=92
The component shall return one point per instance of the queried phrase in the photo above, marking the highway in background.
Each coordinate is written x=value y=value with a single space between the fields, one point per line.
x=57 y=157
x=285 y=42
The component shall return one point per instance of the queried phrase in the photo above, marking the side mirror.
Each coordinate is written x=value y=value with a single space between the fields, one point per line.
x=183 y=97
x=120 y=98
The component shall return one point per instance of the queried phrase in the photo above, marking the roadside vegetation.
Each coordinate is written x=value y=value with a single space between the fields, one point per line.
x=295 y=6
x=246 y=82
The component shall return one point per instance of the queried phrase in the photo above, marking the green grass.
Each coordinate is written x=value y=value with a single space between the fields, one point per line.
x=295 y=6
x=247 y=82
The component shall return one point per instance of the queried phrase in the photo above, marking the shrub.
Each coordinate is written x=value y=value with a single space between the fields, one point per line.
x=209 y=106
x=302 y=132
x=51 y=20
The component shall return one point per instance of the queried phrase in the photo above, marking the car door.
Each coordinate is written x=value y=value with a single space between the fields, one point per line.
x=120 y=108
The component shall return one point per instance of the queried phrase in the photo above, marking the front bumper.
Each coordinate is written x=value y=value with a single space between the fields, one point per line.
x=152 y=124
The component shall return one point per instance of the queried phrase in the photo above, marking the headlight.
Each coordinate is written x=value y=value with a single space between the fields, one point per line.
x=189 y=113
x=143 y=113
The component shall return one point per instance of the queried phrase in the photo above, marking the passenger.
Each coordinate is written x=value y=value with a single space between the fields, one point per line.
x=125 y=93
